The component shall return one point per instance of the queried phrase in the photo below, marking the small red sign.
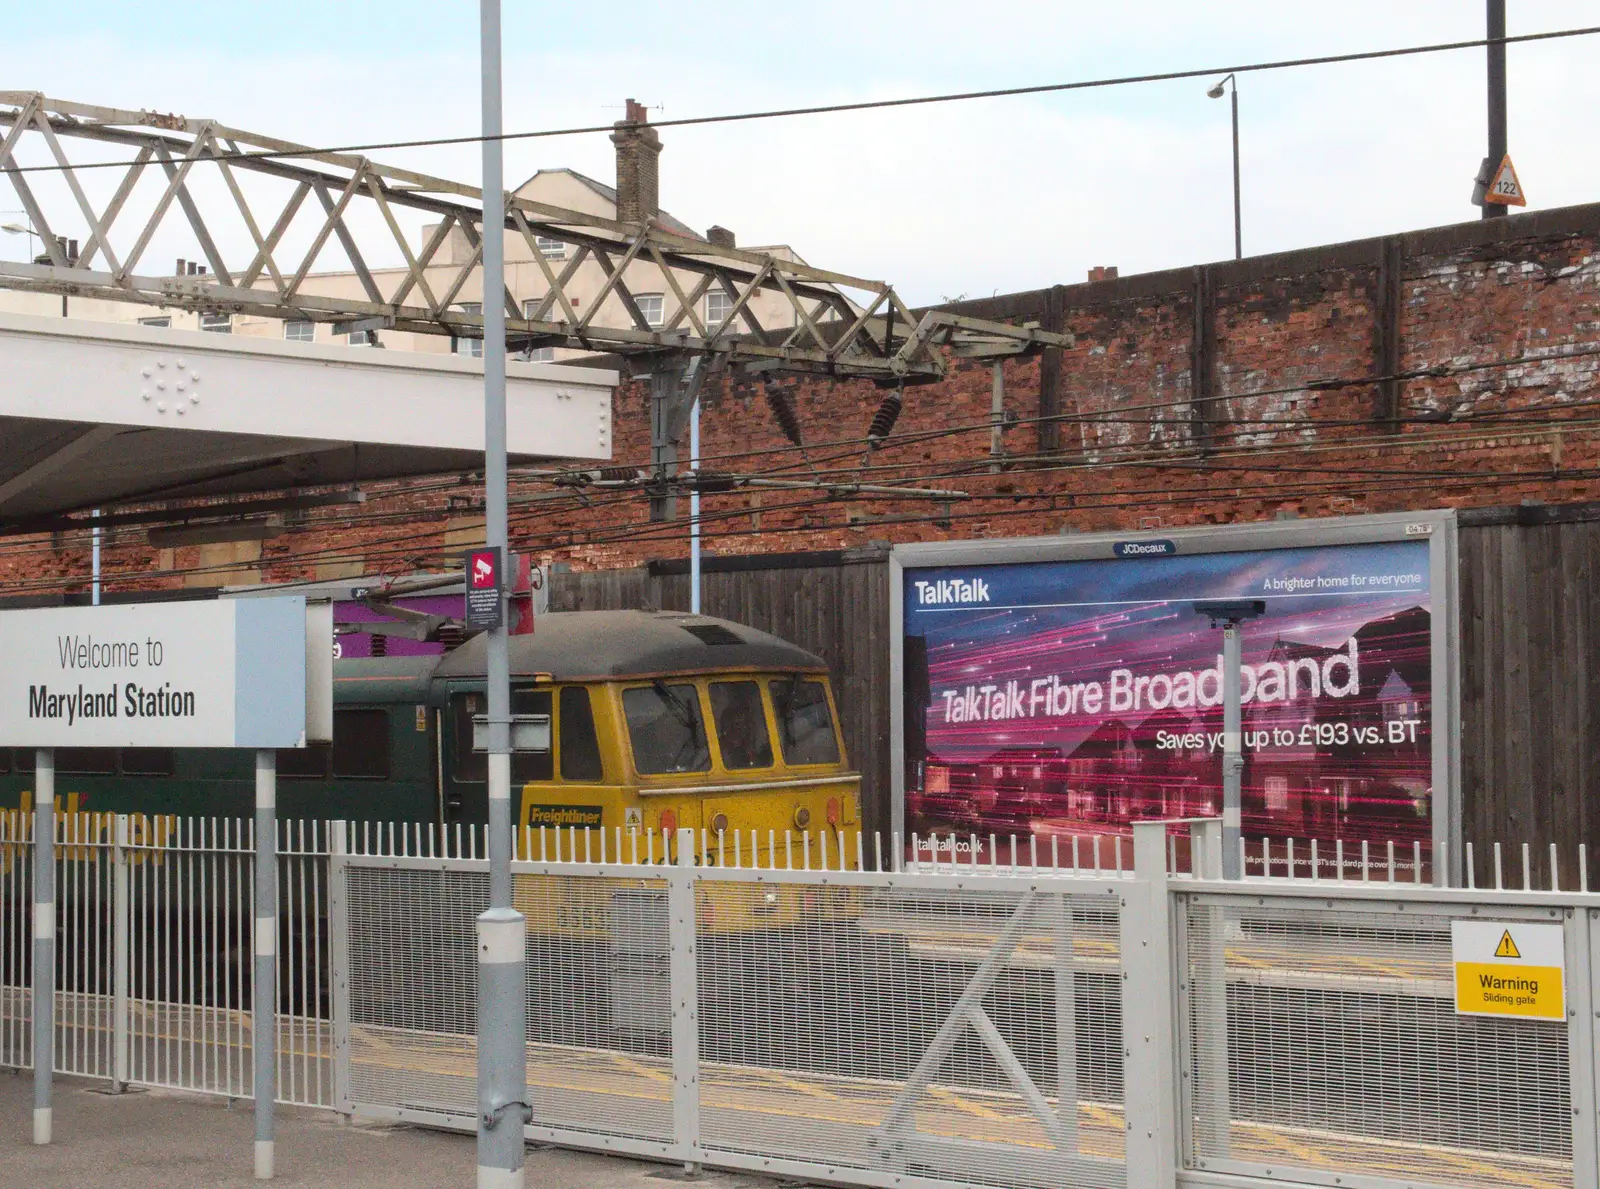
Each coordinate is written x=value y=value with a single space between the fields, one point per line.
x=483 y=569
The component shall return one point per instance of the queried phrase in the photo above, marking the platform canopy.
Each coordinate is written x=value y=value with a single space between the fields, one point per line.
x=93 y=414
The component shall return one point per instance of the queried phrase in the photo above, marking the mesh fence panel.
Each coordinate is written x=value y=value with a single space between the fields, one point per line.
x=918 y=1032
x=599 y=1012
x=1329 y=1040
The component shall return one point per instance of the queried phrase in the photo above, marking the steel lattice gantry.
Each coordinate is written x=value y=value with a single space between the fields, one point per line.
x=835 y=324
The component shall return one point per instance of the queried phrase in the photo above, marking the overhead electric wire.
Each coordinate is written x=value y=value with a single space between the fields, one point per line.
x=820 y=109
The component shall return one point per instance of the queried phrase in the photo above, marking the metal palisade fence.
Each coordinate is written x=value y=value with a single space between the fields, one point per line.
x=862 y=1011
x=155 y=929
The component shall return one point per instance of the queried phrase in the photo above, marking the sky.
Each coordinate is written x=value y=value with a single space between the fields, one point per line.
x=951 y=200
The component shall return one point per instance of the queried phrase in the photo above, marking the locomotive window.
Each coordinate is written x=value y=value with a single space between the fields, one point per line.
x=741 y=724
x=804 y=724
x=25 y=757
x=86 y=761
x=361 y=744
x=146 y=761
x=580 y=750
x=305 y=763
x=472 y=767
x=5 y=759
x=665 y=726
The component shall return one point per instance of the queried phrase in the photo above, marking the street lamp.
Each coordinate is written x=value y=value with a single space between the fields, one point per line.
x=21 y=229
x=1231 y=84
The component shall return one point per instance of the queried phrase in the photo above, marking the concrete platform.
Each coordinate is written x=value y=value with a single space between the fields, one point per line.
x=148 y=1139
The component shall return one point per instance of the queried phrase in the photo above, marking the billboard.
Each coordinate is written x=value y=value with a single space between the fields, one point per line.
x=1063 y=689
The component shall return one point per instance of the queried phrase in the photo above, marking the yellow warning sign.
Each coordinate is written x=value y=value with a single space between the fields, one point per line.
x=1509 y=968
x=1504 y=188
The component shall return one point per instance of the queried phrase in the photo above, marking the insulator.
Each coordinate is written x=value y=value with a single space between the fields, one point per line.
x=883 y=420
x=781 y=402
x=618 y=474
x=712 y=481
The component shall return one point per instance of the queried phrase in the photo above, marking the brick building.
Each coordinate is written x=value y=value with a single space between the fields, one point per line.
x=1448 y=367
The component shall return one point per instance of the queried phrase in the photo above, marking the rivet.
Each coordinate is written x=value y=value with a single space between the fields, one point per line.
x=161 y=406
x=145 y=394
x=161 y=384
x=194 y=398
x=180 y=409
x=195 y=376
x=180 y=363
x=161 y=363
x=144 y=371
x=180 y=385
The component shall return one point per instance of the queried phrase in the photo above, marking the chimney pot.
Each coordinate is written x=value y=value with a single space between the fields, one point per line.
x=638 y=178
x=181 y=268
x=721 y=237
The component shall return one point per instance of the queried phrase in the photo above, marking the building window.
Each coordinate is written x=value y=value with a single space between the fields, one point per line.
x=217 y=323
x=651 y=306
x=542 y=355
x=164 y=323
x=551 y=249
x=465 y=346
x=718 y=306
x=362 y=338
x=300 y=331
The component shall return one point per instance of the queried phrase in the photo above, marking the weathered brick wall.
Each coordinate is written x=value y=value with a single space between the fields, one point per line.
x=1128 y=446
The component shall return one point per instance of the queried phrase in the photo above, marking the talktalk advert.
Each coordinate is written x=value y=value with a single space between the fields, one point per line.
x=1066 y=700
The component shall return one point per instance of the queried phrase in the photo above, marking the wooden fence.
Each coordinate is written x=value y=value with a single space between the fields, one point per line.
x=1530 y=662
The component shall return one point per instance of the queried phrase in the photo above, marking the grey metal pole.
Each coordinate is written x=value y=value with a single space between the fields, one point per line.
x=1238 y=224
x=502 y=1007
x=1232 y=753
x=694 y=509
x=44 y=939
x=1497 y=99
x=264 y=1019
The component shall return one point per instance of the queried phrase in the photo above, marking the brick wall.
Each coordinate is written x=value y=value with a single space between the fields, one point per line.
x=1195 y=395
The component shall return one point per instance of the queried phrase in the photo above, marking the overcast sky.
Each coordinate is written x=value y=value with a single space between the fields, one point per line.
x=959 y=199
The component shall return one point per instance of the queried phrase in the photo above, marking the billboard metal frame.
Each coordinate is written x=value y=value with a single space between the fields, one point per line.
x=1437 y=527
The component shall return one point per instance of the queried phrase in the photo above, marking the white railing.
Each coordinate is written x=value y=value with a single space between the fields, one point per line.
x=155 y=929
x=842 y=1007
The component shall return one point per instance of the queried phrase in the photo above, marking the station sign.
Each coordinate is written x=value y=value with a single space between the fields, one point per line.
x=228 y=673
x=1509 y=968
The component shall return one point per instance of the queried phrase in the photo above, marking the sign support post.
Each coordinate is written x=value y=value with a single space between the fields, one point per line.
x=502 y=1006
x=1230 y=613
x=44 y=939
x=264 y=1026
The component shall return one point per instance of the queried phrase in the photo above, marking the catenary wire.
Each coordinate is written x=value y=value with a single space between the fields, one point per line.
x=885 y=104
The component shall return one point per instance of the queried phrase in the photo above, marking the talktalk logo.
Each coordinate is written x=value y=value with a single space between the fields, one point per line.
x=952 y=590
x=482 y=570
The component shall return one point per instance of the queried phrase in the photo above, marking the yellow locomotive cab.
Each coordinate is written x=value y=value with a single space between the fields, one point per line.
x=661 y=722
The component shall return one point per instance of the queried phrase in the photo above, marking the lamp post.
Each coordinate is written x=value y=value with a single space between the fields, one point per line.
x=1231 y=85
x=502 y=1005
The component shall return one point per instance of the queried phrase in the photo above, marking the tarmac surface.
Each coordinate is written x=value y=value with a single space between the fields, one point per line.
x=146 y=1139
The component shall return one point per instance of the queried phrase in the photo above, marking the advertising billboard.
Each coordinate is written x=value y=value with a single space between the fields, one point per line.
x=1063 y=689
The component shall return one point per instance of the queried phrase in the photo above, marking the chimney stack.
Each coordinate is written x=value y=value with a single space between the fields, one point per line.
x=1103 y=272
x=638 y=181
x=721 y=237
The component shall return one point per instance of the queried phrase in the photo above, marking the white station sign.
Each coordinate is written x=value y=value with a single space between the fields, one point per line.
x=231 y=673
